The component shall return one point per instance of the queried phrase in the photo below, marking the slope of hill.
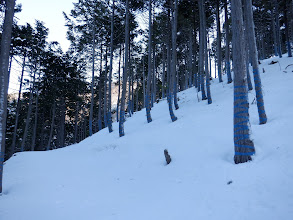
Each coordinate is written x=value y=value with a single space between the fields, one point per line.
x=110 y=178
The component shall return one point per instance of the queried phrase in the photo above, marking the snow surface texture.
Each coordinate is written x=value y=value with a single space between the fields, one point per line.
x=110 y=178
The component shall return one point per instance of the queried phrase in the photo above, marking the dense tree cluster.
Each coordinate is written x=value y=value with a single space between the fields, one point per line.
x=59 y=104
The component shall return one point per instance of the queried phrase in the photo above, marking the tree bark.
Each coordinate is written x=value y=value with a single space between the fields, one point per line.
x=254 y=59
x=105 y=88
x=110 y=71
x=170 y=78
x=4 y=63
x=227 y=48
x=12 y=151
x=201 y=47
x=143 y=84
x=278 y=34
x=76 y=122
x=190 y=58
x=122 y=108
x=52 y=126
x=61 y=133
x=244 y=147
x=92 y=84
x=207 y=63
x=219 y=38
x=287 y=31
x=119 y=85
x=174 y=53
x=154 y=91
x=28 y=118
x=164 y=71
x=147 y=99
x=36 y=119
x=100 y=84
x=274 y=34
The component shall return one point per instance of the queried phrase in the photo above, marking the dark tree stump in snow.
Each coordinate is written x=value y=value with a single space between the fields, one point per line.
x=273 y=62
x=167 y=156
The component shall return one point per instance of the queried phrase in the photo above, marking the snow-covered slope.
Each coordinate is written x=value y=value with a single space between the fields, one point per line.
x=110 y=178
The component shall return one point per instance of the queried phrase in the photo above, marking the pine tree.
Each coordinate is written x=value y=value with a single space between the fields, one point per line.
x=244 y=147
x=148 y=98
x=278 y=34
x=219 y=39
x=111 y=68
x=201 y=47
x=174 y=54
x=4 y=63
x=207 y=74
x=125 y=73
x=227 y=47
x=254 y=59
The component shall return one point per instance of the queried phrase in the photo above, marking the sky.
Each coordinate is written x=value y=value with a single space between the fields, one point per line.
x=50 y=12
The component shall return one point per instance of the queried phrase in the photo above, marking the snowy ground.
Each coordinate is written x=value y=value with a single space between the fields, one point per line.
x=110 y=178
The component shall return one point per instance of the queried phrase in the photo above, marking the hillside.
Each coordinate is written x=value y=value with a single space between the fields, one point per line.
x=110 y=178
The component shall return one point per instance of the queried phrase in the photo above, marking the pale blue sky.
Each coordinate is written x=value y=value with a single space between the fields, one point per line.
x=50 y=12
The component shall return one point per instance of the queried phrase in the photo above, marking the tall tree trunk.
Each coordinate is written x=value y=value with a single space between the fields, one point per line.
x=262 y=45
x=76 y=122
x=17 y=108
x=110 y=71
x=42 y=136
x=287 y=32
x=227 y=48
x=274 y=34
x=36 y=119
x=9 y=67
x=61 y=133
x=247 y=57
x=82 y=124
x=105 y=87
x=186 y=73
x=244 y=147
x=119 y=85
x=100 y=90
x=147 y=99
x=201 y=47
x=4 y=62
x=291 y=19
x=154 y=96
x=174 y=53
x=84 y=129
x=132 y=88
x=278 y=34
x=52 y=126
x=190 y=56
x=206 y=63
x=170 y=78
x=122 y=108
x=254 y=59
x=28 y=118
x=92 y=84
x=143 y=84
x=163 y=71
x=219 y=38
x=129 y=85
x=136 y=102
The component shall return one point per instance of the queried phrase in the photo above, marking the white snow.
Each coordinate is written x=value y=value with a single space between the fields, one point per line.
x=110 y=178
